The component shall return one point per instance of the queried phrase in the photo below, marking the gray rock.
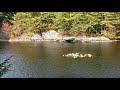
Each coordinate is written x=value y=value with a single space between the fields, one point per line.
x=36 y=37
x=81 y=39
x=104 y=39
x=91 y=39
x=51 y=35
x=69 y=39
x=98 y=39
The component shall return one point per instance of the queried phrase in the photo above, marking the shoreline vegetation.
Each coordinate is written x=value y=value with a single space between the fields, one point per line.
x=60 y=26
x=65 y=39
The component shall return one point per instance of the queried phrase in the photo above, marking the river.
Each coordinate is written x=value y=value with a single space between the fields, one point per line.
x=45 y=59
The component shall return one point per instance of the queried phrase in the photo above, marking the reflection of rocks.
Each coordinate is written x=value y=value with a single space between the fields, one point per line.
x=77 y=55
x=51 y=35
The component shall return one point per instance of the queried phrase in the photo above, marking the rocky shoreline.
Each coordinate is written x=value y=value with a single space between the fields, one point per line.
x=55 y=36
x=68 y=40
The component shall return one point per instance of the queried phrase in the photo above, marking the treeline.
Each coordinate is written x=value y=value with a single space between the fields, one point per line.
x=71 y=23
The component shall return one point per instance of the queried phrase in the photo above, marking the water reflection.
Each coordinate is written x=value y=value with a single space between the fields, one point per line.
x=44 y=59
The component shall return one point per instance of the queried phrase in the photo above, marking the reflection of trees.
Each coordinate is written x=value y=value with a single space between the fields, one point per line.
x=4 y=66
x=110 y=49
x=3 y=44
x=28 y=49
x=45 y=59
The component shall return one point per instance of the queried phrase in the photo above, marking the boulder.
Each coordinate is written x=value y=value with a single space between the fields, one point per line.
x=36 y=37
x=69 y=39
x=98 y=39
x=51 y=35
x=81 y=39
x=104 y=39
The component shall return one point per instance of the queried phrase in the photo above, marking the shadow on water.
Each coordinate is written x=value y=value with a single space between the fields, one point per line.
x=4 y=66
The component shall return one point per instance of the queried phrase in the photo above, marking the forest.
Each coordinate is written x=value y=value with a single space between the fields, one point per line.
x=48 y=59
x=70 y=23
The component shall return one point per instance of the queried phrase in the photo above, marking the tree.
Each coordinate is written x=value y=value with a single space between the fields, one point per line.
x=71 y=22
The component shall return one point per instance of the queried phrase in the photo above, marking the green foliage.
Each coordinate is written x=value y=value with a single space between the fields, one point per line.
x=6 y=16
x=26 y=22
x=74 y=31
x=118 y=34
x=71 y=22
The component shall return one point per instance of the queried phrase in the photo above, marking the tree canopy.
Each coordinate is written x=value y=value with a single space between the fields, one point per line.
x=71 y=22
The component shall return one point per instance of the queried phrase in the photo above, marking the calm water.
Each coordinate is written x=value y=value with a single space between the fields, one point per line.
x=45 y=60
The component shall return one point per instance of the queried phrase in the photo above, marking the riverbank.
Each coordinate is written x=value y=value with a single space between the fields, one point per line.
x=52 y=35
x=61 y=40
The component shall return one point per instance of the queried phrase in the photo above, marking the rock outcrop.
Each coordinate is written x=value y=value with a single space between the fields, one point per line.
x=69 y=39
x=98 y=39
x=51 y=35
x=36 y=37
x=81 y=39
x=91 y=39
x=23 y=37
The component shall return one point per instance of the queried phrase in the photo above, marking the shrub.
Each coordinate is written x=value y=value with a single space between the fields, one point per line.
x=118 y=34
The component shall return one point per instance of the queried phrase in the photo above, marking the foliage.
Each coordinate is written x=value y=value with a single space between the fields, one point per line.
x=118 y=34
x=71 y=22
x=7 y=16
x=25 y=22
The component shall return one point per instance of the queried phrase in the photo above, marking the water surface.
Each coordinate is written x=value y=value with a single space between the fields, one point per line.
x=45 y=60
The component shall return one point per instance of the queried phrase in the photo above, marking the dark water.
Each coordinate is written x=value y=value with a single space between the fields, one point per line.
x=45 y=60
